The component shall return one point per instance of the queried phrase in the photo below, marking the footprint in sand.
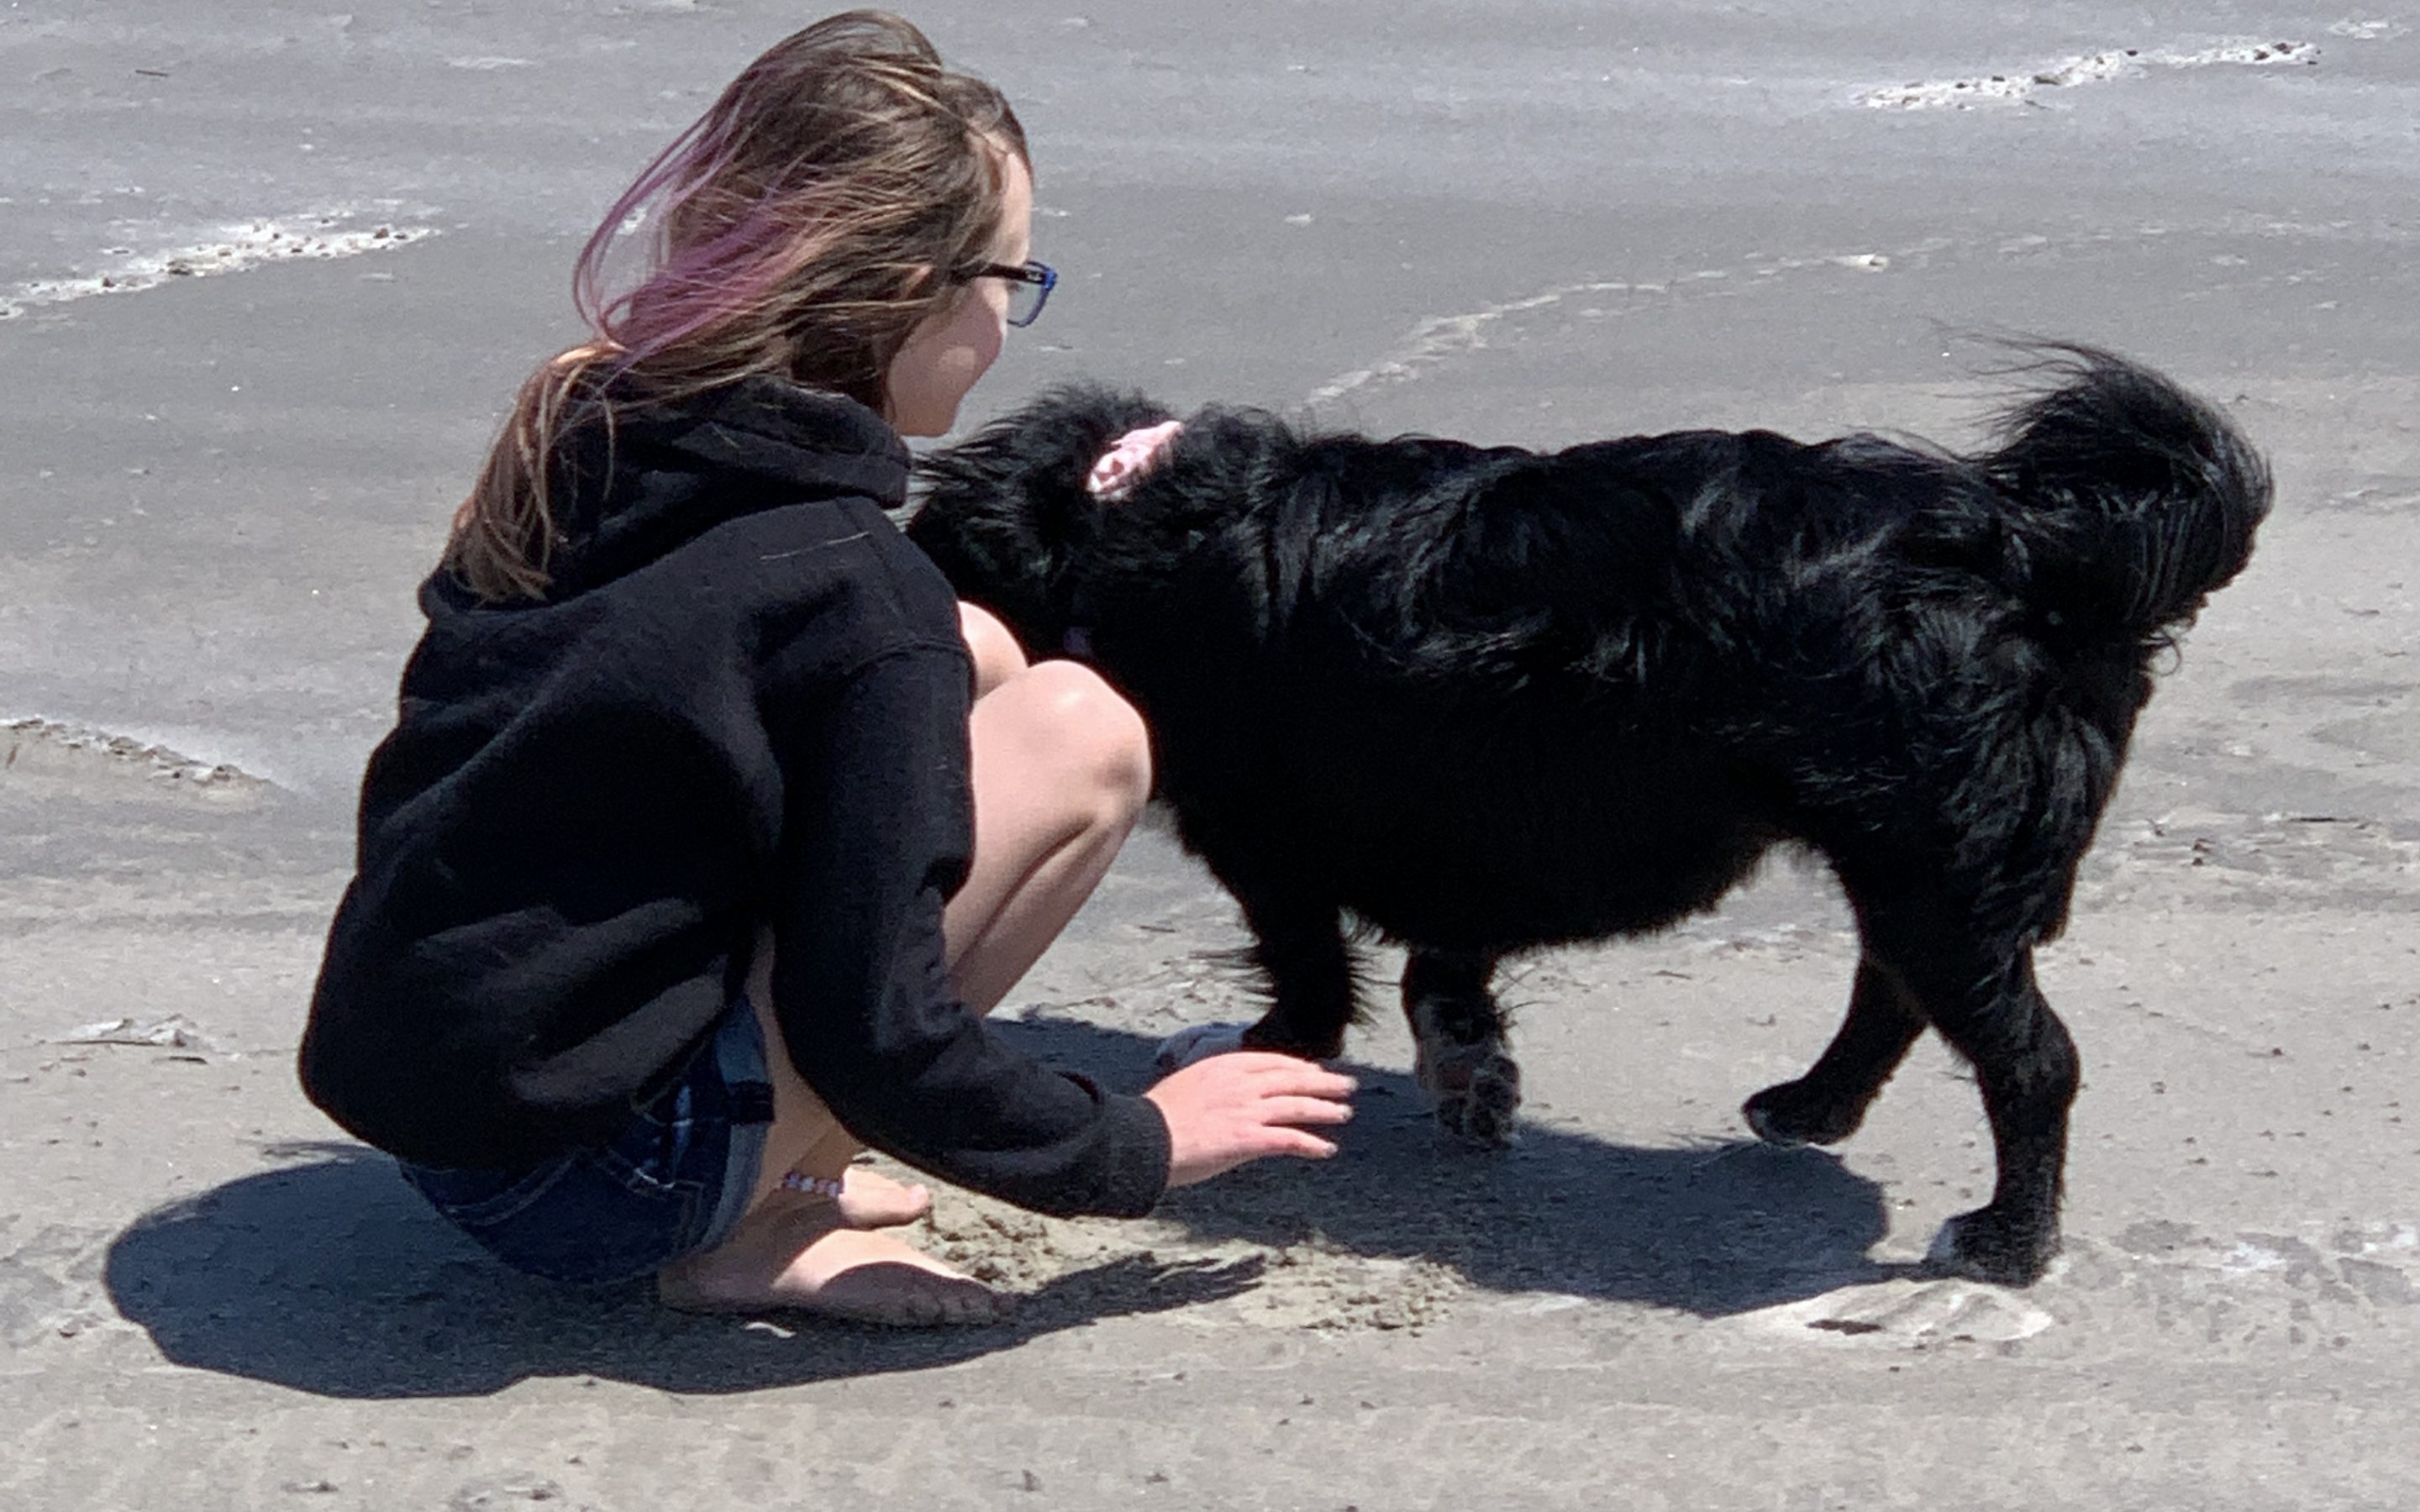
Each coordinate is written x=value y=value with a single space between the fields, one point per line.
x=1907 y=1314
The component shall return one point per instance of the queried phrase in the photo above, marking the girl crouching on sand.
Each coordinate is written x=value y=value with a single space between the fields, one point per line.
x=711 y=822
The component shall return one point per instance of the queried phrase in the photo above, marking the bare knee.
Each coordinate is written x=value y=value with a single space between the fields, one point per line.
x=1099 y=745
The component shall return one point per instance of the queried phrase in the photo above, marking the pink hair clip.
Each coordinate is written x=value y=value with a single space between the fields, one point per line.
x=1114 y=476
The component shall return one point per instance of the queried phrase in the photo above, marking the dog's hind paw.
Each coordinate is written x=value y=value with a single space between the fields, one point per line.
x=1197 y=1041
x=1787 y=1115
x=1478 y=1092
x=1987 y=1246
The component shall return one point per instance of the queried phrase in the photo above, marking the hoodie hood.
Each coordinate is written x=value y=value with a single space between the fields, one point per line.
x=634 y=482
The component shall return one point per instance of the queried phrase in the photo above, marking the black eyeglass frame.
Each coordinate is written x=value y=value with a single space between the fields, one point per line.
x=1041 y=277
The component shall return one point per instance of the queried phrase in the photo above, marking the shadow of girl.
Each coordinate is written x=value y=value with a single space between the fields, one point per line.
x=330 y=1276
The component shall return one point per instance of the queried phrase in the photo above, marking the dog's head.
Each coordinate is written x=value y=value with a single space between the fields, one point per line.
x=1004 y=514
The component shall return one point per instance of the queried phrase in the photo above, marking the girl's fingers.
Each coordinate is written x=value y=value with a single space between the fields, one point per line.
x=1297 y=1110
x=1230 y=1109
x=1279 y=1139
x=1284 y=1141
x=1319 y=1083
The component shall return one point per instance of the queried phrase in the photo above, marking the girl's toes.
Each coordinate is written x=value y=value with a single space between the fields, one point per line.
x=869 y=1199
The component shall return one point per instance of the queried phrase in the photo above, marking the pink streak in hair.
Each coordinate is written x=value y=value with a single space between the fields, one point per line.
x=694 y=289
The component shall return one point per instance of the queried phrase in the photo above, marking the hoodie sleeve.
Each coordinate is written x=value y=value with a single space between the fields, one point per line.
x=877 y=833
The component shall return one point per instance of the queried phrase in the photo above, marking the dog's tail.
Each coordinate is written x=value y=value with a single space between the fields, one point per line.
x=2135 y=499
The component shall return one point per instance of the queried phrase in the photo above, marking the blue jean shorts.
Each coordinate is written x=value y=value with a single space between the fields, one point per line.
x=676 y=1180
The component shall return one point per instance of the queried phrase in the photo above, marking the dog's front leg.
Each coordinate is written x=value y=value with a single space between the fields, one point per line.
x=1299 y=943
x=1458 y=1033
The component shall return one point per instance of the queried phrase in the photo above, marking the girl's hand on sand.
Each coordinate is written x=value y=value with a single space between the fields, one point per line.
x=1230 y=1109
x=1132 y=455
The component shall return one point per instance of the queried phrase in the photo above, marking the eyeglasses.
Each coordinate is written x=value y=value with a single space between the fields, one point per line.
x=1029 y=287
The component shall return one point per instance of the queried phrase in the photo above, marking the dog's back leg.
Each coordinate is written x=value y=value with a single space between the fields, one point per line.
x=1458 y=1031
x=1827 y=1105
x=1983 y=999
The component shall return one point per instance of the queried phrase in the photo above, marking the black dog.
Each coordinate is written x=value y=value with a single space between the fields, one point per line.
x=1481 y=699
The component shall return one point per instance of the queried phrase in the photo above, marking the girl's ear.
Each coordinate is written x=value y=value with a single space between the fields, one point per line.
x=915 y=283
x=925 y=281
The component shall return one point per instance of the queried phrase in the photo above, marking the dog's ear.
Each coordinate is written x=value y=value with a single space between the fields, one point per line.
x=1006 y=513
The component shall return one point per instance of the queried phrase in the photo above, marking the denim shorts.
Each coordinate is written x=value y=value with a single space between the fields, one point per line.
x=676 y=1179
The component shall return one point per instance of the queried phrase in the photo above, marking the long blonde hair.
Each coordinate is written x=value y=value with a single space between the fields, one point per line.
x=837 y=193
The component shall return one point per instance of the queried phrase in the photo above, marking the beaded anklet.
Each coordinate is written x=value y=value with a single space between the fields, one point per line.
x=822 y=1186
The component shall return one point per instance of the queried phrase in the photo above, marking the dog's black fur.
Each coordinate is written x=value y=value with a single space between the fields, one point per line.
x=1483 y=700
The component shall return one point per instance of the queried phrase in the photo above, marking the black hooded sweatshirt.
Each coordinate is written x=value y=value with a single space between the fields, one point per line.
x=742 y=702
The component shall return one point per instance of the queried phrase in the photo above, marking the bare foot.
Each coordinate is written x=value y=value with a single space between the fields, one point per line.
x=803 y=1256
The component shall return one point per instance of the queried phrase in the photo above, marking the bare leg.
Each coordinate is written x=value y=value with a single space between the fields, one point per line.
x=993 y=645
x=1062 y=770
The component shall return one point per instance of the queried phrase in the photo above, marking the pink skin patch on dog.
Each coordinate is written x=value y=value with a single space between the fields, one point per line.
x=1114 y=476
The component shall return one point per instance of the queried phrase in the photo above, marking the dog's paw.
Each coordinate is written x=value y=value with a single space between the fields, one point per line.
x=1477 y=1088
x=1987 y=1246
x=1788 y=1116
x=1197 y=1041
